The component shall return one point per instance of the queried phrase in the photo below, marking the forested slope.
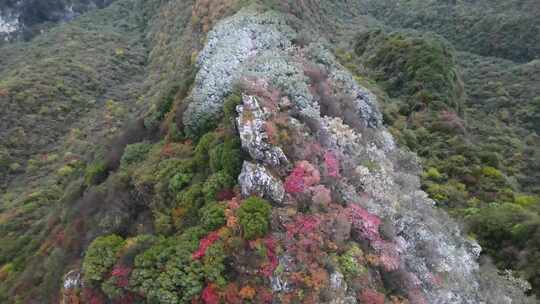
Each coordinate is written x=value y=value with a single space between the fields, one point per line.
x=172 y=151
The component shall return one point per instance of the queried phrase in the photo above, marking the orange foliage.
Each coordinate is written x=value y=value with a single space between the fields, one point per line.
x=247 y=293
x=232 y=221
x=272 y=132
x=373 y=260
x=319 y=279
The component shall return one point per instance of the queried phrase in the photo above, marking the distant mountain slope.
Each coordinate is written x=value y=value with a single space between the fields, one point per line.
x=173 y=151
x=480 y=158
x=48 y=86
x=26 y=18
x=501 y=28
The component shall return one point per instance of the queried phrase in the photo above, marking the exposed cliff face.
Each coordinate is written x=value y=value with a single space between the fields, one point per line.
x=340 y=161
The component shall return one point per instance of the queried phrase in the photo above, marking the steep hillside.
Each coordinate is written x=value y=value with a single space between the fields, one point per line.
x=500 y=28
x=472 y=121
x=173 y=151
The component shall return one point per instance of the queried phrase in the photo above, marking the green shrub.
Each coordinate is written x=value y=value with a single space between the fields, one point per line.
x=493 y=225
x=433 y=174
x=491 y=172
x=190 y=200
x=206 y=123
x=179 y=181
x=217 y=182
x=65 y=171
x=254 y=216
x=213 y=216
x=229 y=107
x=349 y=262
x=96 y=173
x=100 y=257
x=204 y=146
x=226 y=157
x=110 y=288
x=169 y=167
x=452 y=193
x=526 y=200
x=135 y=153
x=215 y=158
x=166 y=272
x=213 y=264
x=420 y=68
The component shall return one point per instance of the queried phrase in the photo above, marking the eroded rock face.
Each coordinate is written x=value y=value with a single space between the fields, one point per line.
x=422 y=252
x=252 y=119
x=255 y=179
x=71 y=285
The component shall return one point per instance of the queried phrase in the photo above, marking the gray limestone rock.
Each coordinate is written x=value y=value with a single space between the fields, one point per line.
x=251 y=127
x=257 y=180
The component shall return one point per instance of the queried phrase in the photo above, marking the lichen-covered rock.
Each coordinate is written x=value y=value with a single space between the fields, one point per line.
x=70 y=286
x=233 y=42
x=364 y=102
x=252 y=120
x=255 y=179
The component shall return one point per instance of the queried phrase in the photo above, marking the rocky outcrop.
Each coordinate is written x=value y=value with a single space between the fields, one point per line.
x=257 y=180
x=228 y=48
x=324 y=118
x=252 y=127
x=71 y=286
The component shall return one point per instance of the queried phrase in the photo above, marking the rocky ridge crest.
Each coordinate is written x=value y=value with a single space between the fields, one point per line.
x=316 y=137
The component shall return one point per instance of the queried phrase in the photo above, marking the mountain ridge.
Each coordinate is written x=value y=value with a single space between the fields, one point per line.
x=298 y=129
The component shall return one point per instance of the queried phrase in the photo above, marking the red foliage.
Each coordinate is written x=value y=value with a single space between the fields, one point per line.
x=304 y=239
x=304 y=224
x=232 y=294
x=92 y=296
x=209 y=295
x=204 y=244
x=260 y=87
x=122 y=275
x=331 y=163
x=369 y=296
x=225 y=195
x=234 y=203
x=168 y=150
x=264 y=295
x=295 y=182
x=366 y=223
x=268 y=268
x=304 y=175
